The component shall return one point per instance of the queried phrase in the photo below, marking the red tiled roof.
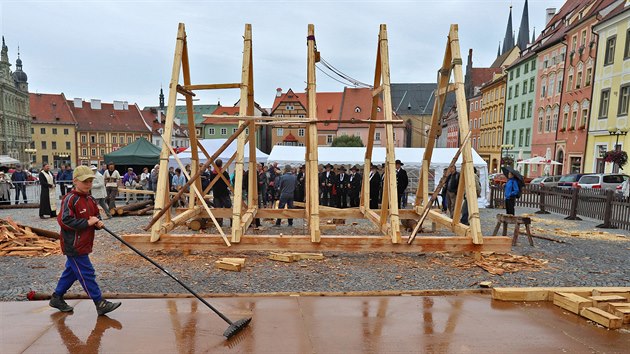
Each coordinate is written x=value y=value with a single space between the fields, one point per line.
x=227 y=112
x=289 y=138
x=50 y=109
x=328 y=110
x=483 y=75
x=360 y=98
x=289 y=96
x=150 y=118
x=108 y=119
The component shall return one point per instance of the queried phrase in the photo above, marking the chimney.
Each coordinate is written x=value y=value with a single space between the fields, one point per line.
x=551 y=12
x=78 y=103
x=118 y=105
x=95 y=104
x=278 y=92
x=125 y=105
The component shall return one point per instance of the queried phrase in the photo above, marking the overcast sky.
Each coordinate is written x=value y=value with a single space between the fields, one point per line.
x=123 y=50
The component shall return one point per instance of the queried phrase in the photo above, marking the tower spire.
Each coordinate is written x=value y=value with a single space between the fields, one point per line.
x=533 y=35
x=161 y=99
x=508 y=41
x=499 y=50
x=523 y=30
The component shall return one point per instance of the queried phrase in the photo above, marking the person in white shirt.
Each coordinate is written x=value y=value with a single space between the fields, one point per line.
x=112 y=178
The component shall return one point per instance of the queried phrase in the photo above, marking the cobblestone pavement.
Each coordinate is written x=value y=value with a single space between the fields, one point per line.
x=592 y=259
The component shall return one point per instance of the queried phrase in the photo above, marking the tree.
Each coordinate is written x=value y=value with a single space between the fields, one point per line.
x=347 y=141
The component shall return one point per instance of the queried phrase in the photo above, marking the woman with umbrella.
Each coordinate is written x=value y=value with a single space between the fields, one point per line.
x=512 y=188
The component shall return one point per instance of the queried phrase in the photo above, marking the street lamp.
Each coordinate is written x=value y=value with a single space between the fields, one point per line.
x=507 y=147
x=30 y=153
x=617 y=132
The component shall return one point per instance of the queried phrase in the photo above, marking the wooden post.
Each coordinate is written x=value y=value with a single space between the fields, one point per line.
x=312 y=177
x=608 y=211
x=162 y=190
x=574 y=203
x=237 y=231
x=191 y=123
x=541 y=200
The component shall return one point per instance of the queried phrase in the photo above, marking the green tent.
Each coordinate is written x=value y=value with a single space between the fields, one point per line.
x=140 y=152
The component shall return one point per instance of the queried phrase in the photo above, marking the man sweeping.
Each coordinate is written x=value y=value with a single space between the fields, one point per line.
x=78 y=218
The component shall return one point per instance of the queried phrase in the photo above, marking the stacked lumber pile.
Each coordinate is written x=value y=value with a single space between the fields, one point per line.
x=18 y=240
x=607 y=306
x=137 y=209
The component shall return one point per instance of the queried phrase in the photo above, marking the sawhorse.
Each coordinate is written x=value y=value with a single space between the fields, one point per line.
x=506 y=219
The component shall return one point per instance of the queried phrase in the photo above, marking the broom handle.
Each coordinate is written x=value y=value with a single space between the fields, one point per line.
x=169 y=274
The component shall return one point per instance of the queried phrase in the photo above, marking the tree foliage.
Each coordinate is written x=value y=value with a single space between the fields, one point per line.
x=347 y=141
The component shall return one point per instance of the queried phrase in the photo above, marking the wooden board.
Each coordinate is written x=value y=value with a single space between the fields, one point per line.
x=240 y=261
x=235 y=267
x=602 y=317
x=615 y=305
x=623 y=313
x=602 y=301
x=602 y=292
x=571 y=302
x=282 y=257
x=543 y=293
x=300 y=256
x=327 y=243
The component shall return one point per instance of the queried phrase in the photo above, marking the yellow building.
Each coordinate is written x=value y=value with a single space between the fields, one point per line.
x=609 y=123
x=53 y=129
x=491 y=126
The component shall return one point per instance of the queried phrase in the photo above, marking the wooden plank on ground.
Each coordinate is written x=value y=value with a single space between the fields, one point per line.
x=602 y=317
x=300 y=256
x=571 y=302
x=623 y=313
x=282 y=257
x=602 y=301
x=235 y=267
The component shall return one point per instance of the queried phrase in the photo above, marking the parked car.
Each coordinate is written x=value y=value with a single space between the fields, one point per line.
x=602 y=180
x=546 y=181
x=570 y=181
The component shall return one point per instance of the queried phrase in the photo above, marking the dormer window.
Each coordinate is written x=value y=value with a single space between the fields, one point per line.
x=357 y=110
x=378 y=109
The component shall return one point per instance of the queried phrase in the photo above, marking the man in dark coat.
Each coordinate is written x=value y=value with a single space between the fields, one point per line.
x=299 y=189
x=19 y=177
x=375 y=187
x=221 y=191
x=326 y=181
x=341 y=185
x=402 y=181
x=354 y=187
x=47 y=202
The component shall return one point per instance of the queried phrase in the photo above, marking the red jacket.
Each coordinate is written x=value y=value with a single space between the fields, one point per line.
x=77 y=237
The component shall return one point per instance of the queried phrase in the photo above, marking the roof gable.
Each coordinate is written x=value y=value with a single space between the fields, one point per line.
x=109 y=119
x=50 y=109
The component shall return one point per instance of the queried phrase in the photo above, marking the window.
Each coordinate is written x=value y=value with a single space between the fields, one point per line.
x=524 y=87
x=301 y=116
x=211 y=131
x=377 y=136
x=101 y=139
x=329 y=139
x=114 y=139
x=622 y=110
x=531 y=85
x=515 y=112
x=121 y=139
x=589 y=75
x=516 y=90
x=547 y=122
x=54 y=131
x=513 y=137
x=378 y=109
x=518 y=72
x=83 y=152
x=93 y=151
x=559 y=84
x=507 y=137
x=68 y=147
x=574 y=119
x=543 y=90
x=279 y=132
x=509 y=113
x=523 y=110
x=570 y=83
x=357 y=110
x=603 y=104
x=533 y=65
x=102 y=152
x=529 y=108
x=578 y=82
x=565 y=121
x=224 y=131
x=609 y=56
x=129 y=139
x=234 y=130
x=527 y=134
x=53 y=145
x=511 y=75
x=554 y=122
x=626 y=52
x=66 y=131
x=93 y=139
x=32 y=131
x=574 y=42
x=584 y=117
x=472 y=107
x=247 y=131
x=510 y=93
x=290 y=107
x=525 y=68
x=301 y=132
x=520 y=138
x=583 y=41
x=43 y=145
x=42 y=130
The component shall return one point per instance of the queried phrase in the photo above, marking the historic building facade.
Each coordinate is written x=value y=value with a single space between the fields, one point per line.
x=15 y=119
x=491 y=127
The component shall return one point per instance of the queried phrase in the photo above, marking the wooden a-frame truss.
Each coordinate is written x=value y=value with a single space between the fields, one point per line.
x=243 y=212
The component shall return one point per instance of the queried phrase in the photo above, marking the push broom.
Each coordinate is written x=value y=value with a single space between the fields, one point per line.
x=235 y=326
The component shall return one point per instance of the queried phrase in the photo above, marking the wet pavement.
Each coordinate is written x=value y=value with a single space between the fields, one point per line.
x=403 y=324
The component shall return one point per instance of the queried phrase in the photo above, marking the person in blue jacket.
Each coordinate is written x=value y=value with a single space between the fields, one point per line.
x=511 y=191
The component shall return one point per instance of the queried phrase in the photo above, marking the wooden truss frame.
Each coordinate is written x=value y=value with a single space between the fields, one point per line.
x=387 y=219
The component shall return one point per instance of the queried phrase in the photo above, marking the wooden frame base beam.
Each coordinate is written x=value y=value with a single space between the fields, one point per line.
x=327 y=243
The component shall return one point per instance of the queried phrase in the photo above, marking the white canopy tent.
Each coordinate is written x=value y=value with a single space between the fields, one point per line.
x=411 y=157
x=8 y=160
x=211 y=146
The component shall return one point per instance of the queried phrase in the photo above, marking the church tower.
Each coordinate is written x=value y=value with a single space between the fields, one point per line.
x=508 y=41
x=523 y=30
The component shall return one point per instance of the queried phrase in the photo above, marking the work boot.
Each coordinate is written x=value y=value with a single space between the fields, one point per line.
x=104 y=306
x=59 y=303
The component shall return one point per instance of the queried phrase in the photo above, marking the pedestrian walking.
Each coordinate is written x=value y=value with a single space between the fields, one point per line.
x=220 y=190
x=326 y=182
x=19 y=177
x=98 y=191
x=341 y=187
x=79 y=218
x=286 y=186
x=354 y=187
x=5 y=189
x=402 y=181
x=47 y=200
x=112 y=178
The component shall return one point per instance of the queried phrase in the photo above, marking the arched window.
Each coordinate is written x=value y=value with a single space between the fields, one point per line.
x=357 y=109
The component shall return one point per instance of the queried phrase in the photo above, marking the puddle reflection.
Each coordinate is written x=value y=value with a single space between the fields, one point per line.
x=93 y=343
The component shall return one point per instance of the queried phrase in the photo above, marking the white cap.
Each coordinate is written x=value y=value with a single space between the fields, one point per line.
x=93 y=168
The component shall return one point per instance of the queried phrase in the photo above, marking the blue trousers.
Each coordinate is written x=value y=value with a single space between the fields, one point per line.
x=79 y=268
